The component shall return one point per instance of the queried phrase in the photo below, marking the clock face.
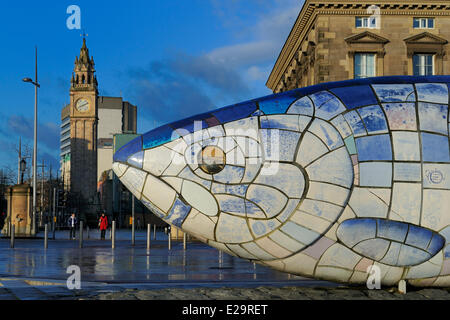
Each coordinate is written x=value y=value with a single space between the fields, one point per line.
x=82 y=105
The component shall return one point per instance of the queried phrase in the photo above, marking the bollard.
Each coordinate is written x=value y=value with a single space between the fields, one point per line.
x=87 y=231
x=81 y=235
x=184 y=241
x=149 y=227
x=113 y=234
x=46 y=236
x=13 y=231
x=154 y=232
x=170 y=241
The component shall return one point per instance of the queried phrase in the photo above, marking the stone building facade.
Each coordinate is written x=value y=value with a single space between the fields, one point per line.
x=347 y=39
x=88 y=125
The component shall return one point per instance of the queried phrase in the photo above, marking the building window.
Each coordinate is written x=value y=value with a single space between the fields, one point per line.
x=364 y=65
x=423 y=64
x=423 y=23
x=366 y=22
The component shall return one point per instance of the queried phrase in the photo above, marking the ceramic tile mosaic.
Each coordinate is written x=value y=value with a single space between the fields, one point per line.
x=322 y=181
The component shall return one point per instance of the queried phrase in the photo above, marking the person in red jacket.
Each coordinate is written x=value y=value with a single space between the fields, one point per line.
x=103 y=224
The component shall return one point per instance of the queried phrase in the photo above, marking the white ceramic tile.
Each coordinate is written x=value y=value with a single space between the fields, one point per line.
x=273 y=248
x=261 y=227
x=326 y=105
x=310 y=221
x=216 y=131
x=197 y=223
x=366 y=204
x=433 y=117
x=436 y=175
x=328 y=192
x=303 y=122
x=235 y=157
x=230 y=174
x=324 y=210
x=406 y=146
x=231 y=204
x=177 y=165
x=252 y=167
x=427 y=269
x=404 y=171
x=247 y=127
x=241 y=252
x=269 y=199
x=300 y=263
x=334 y=167
x=159 y=193
x=339 y=256
x=174 y=182
x=310 y=149
x=119 y=169
x=157 y=160
x=436 y=204
x=287 y=122
x=289 y=179
x=375 y=174
x=231 y=229
x=255 y=250
x=134 y=180
x=342 y=126
x=279 y=145
x=302 y=106
x=300 y=233
x=327 y=133
x=187 y=174
x=288 y=210
x=199 y=198
x=406 y=201
x=285 y=241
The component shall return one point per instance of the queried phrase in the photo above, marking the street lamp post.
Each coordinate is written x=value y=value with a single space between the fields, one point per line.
x=36 y=86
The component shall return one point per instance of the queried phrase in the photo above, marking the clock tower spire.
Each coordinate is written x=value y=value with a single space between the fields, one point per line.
x=84 y=126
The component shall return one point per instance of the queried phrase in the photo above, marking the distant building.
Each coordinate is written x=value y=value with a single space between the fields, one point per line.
x=88 y=125
x=346 y=39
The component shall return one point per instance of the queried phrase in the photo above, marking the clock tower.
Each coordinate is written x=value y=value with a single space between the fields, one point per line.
x=84 y=127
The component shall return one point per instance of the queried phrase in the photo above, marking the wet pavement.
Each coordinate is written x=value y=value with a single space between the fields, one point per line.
x=28 y=271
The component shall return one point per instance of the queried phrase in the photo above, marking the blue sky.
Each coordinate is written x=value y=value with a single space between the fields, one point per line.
x=172 y=59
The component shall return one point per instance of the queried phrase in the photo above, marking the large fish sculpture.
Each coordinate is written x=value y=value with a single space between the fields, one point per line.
x=324 y=181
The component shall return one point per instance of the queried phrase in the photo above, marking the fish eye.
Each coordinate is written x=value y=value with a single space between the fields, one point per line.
x=212 y=159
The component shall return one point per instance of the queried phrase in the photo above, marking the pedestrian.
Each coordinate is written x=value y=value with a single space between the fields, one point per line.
x=103 y=225
x=72 y=226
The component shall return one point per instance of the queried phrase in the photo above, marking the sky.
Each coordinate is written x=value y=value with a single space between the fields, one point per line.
x=173 y=59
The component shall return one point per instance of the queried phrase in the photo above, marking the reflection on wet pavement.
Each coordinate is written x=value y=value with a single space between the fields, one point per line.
x=131 y=265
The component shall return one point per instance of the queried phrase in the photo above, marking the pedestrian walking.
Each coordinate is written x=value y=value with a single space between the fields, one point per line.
x=72 y=222
x=103 y=225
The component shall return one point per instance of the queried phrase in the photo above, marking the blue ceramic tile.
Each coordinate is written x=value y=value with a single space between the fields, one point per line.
x=137 y=159
x=353 y=231
x=435 y=148
x=418 y=237
x=159 y=136
x=178 y=213
x=374 y=148
x=410 y=256
x=436 y=244
x=235 y=112
x=392 y=230
x=277 y=105
x=374 y=119
x=357 y=96
x=395 y=92
x=433 y=117
x=432 y=92
x=355 y=122
x=302 y=106
x=132 y=147
x=327 y=105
